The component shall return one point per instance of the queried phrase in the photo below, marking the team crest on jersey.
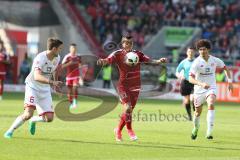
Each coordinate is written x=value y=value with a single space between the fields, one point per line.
x=212 y=64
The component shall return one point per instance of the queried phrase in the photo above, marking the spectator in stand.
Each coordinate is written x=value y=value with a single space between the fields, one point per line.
x=4 y=61
x=25 y=68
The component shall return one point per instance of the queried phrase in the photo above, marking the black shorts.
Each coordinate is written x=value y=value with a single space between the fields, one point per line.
x=186 y=88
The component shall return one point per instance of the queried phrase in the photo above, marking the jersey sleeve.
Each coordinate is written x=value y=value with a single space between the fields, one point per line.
x=193 y=69
x=38 y=63
x=219 y=63
x=143 y=57
x=112 y=58
x=179 y=67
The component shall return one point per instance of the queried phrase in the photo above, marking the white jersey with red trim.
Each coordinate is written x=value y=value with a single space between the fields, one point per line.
x=47 y=68
x=205 y=72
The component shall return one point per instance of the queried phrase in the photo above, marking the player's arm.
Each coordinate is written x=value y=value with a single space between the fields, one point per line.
x=40 y=78
x=109 y=60
x=158 y=61
x=196 y=82
x=66 y=62
x=145 y=59
x=192 y=79
x=229 y=79
x=220 y=64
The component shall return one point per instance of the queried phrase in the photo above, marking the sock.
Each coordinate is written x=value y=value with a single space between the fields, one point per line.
x=196 y=121
x=188 y=109
x=128 y=121
x=121 y=122
x=70 y=98
x=37 y=119
x=210 y=121
x=17 y=123
x=75 y=93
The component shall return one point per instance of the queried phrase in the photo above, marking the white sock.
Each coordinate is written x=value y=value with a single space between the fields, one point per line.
x=196 y=121
x=37 y=119
x=210 y=121
x=17 y=123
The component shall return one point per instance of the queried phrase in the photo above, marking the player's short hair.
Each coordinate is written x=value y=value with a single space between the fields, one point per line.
x=53 y=42
x=191 y=47
x=203 y=43
x=127 y=37
x=73 y=44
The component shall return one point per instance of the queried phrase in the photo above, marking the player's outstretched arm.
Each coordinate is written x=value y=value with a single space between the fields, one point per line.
x=196 y=82
x=158 y=61
x=102 y=62
x=40 y=78
x=229 y=79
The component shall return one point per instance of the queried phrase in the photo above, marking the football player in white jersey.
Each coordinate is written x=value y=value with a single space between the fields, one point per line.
x=38 y=90
x=202 y=75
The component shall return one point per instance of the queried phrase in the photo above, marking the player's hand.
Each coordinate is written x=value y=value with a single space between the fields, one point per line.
x=230 y=87
x=80 y=82
x=56 y=83
x=101 y=62
x=162 y=60
x=205 y=85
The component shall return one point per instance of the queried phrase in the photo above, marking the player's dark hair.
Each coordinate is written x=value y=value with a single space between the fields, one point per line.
x=191 y=47
x=203 y=43
x=53 y=42
x=73 y=44
x=126 y=37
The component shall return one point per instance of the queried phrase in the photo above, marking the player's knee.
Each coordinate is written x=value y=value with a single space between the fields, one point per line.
x=26 y=116
x=211 y=107
x=48 y=119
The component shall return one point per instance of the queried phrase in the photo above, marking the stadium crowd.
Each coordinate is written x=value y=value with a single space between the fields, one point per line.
x=218 y=19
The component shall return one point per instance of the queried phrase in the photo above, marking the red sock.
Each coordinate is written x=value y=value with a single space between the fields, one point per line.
x=122 y=122
x=129 y=121
x=75 y=93
x=70 y=97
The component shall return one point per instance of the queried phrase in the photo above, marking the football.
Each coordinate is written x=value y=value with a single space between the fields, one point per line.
x=131 y=59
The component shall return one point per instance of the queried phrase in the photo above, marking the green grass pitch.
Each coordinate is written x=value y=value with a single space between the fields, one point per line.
x=158 y=139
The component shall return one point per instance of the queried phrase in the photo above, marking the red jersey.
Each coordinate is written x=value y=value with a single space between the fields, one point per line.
x=73 y=69
x=3 y=66
x=129 y=76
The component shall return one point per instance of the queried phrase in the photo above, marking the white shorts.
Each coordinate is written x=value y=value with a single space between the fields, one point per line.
x=42 y=102
x=199 y=99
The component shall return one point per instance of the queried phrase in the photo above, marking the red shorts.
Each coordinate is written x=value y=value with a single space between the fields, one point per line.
x=72 y=81
x=128 y=96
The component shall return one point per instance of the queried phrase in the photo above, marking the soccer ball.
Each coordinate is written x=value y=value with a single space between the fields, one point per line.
x=131 y=59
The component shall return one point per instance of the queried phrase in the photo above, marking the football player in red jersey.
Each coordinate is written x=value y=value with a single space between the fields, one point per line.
x=129 y=82
x=3 y=67
x=72 y=62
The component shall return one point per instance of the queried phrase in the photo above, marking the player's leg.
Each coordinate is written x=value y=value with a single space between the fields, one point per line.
x=187 y=104
x=129 y=110
x=185 y=92
x=69 y=84
x=210 y=115
x=122 y=122
x=198 y=103
x=75 y=92
x=27 y=114
x=1 y=87
x=45 y=112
